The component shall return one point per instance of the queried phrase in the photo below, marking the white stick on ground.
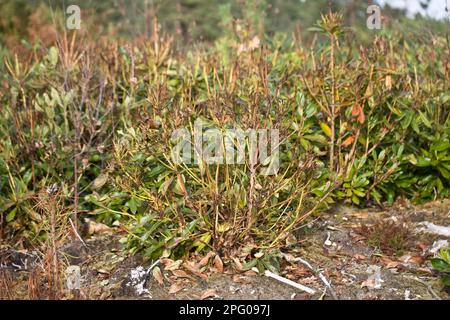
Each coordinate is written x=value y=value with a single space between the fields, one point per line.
x=435 y=229
x=152 y=266
x=289 y=282
x=319 y=274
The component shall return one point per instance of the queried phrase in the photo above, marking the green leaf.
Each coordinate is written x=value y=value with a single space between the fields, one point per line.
x=315 y=138
x=445 y=173
x=133 y=204
x=316 y=29
x=406 y=121
x=446 y=281
x=440 y=146
x=10 y=217
x=355 y=199
x=359 y=193
x=423 y=162
x=53 y=56
x=377 y=196
x=425 y=121
x=248 y=265
x=440 y=265
x=202 y=242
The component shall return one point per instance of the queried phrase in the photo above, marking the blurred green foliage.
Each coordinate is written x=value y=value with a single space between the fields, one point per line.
x=193 y=20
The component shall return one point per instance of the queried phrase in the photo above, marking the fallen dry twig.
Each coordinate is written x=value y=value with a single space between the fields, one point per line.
x=318 y=274
x=289 y=282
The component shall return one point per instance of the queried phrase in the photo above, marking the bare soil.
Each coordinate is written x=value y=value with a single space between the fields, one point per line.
x=338 y=244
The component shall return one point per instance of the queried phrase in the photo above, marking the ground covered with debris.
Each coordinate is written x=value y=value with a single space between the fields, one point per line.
x=346 y=253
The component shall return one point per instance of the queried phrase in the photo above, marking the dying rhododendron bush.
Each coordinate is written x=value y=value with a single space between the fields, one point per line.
x=196 y=138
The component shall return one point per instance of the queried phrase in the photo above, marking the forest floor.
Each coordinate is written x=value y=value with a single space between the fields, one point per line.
x=368 y=254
